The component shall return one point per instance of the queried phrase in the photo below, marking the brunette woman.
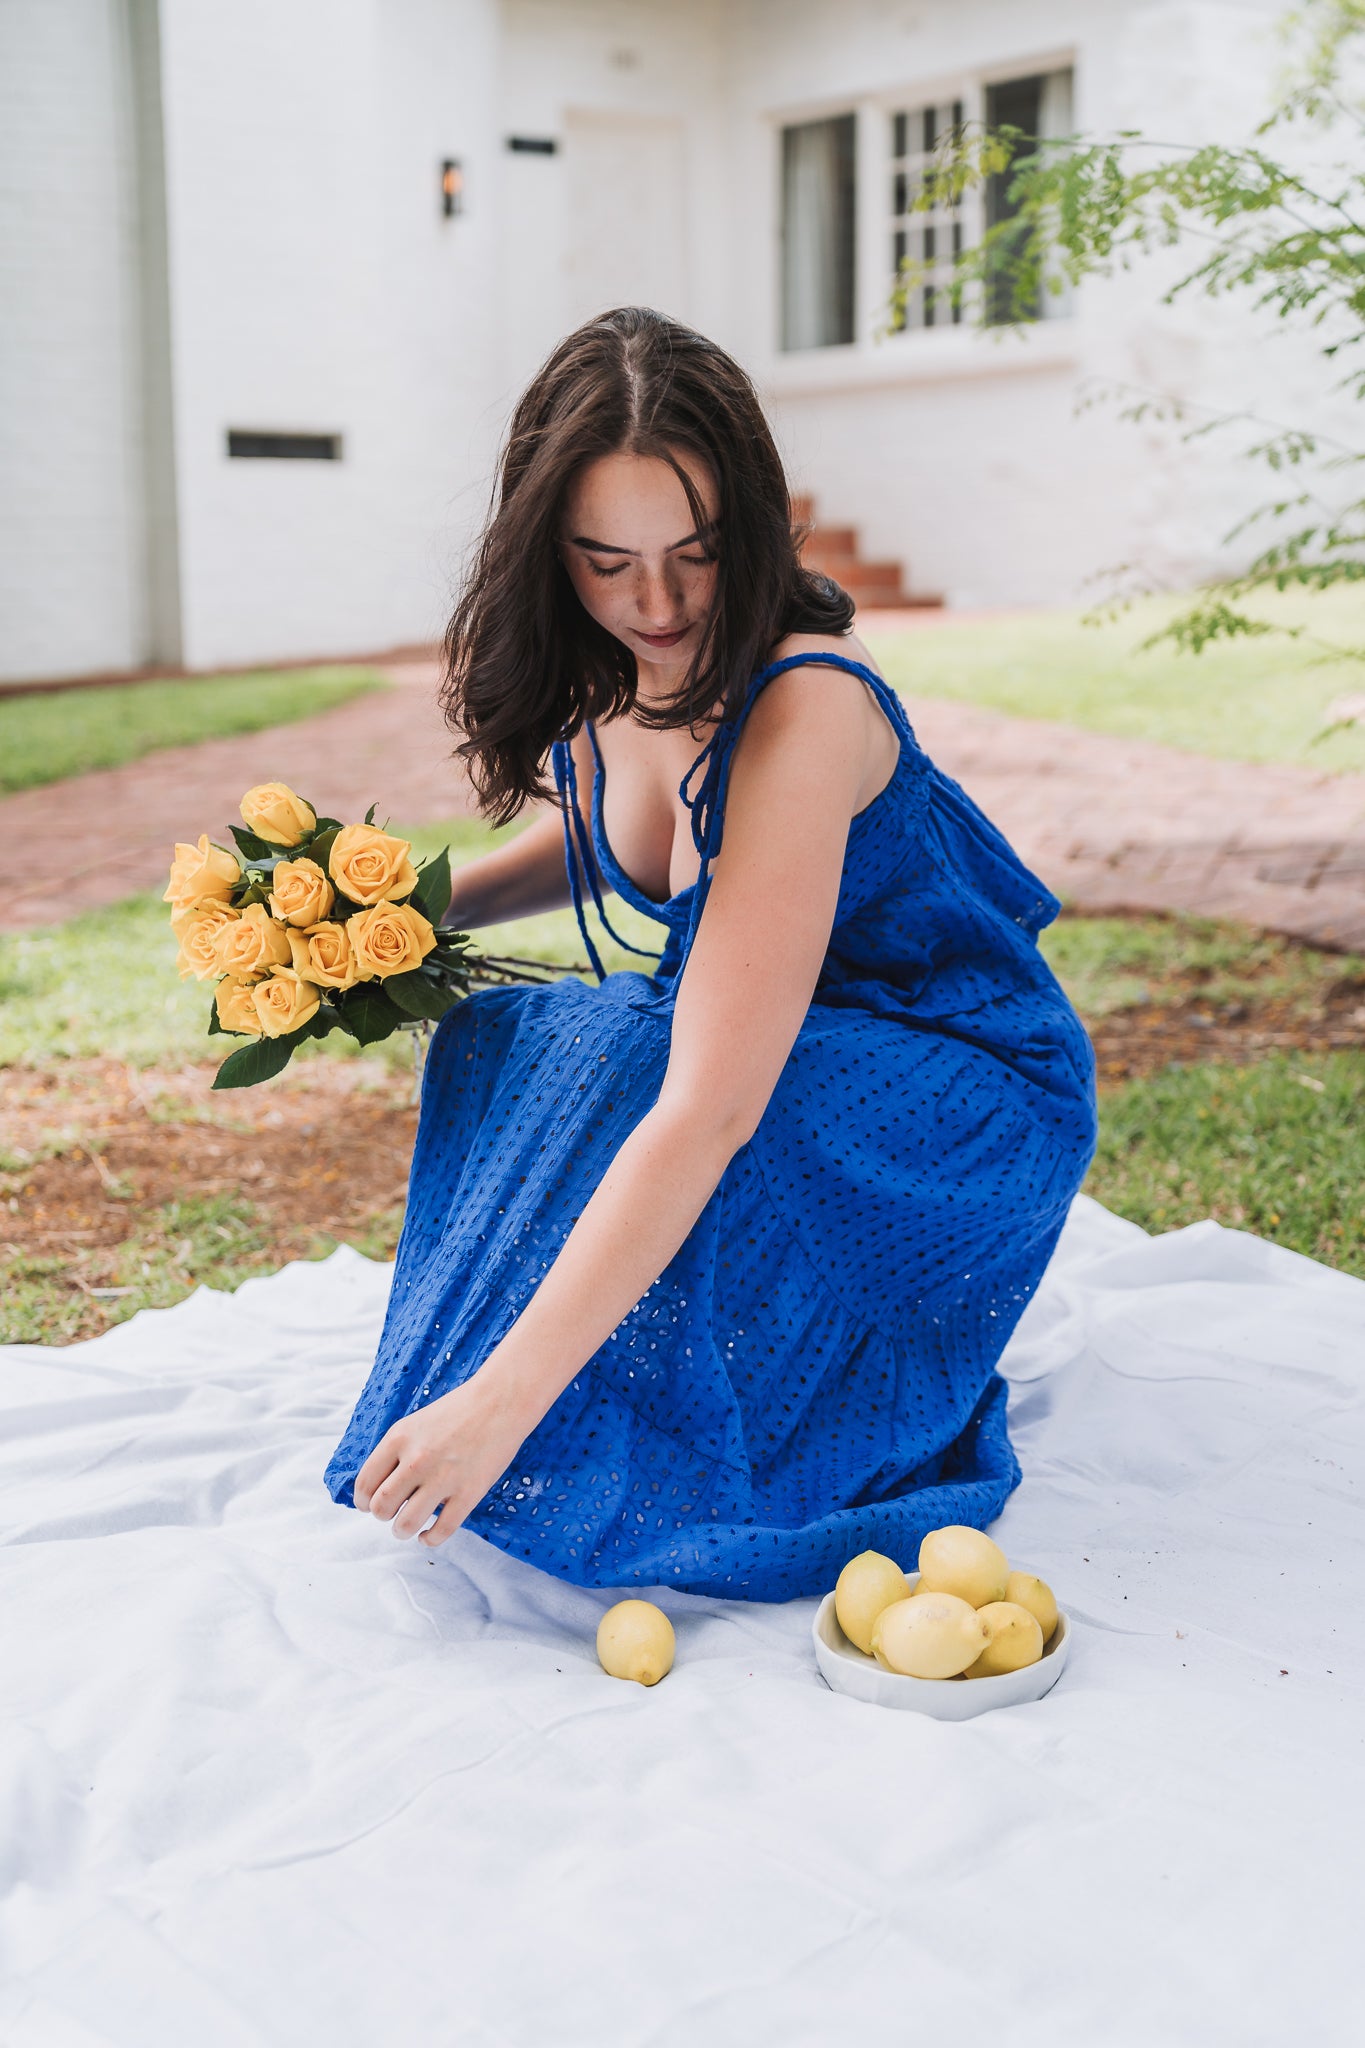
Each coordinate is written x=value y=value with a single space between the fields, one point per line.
x=707 y=1268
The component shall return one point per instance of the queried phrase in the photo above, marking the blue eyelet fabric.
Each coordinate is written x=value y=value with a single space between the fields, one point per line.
x=814 y=1373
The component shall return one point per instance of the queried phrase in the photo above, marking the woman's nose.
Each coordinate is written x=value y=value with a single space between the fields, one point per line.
x=659 y=597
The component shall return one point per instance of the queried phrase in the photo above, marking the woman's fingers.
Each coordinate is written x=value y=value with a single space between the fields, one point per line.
x=373 y=1473
x=446 y=1523
x=416 y=1511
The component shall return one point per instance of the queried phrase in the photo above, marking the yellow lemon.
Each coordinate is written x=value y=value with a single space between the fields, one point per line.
x=963 y=1561
x=1027 y=1591
x=1014 y=1639
x=635 y=1640
x=930 y=1635
x=866 y=1584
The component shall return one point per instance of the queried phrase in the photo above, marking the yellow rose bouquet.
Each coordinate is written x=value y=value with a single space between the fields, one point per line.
x=314 y=926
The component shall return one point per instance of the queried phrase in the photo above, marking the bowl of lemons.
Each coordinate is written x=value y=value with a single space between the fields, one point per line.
x=961 y=1635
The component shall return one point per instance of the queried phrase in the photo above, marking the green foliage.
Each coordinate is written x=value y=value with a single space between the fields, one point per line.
x=1291 y=244
x=51 y=734
x=1278 y=1149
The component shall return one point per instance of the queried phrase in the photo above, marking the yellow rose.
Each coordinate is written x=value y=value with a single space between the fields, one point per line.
x=284 y=1002
x=300 y=892
x=273 y=812
x=324 y=954
x=390 y=939
x=369 y=866
x=201 y=874
x=198 y=931
x=252 y=944
x=236 y=1011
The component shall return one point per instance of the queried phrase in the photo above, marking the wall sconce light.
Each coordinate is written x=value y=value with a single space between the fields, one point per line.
x=452 y=187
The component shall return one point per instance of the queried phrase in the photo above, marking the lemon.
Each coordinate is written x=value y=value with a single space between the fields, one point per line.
x=930 y=1635
x=635 y=1640
x=963 y=1561
x=1014 y=1639
x=866 y=1584
x=1027 y=1591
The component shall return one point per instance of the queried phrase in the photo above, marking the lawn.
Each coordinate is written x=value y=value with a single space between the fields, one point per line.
x=47 y=735
x=1262 y=699
x=126 y=1182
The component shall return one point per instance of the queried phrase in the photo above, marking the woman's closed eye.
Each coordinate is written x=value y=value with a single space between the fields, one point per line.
x=692 y=561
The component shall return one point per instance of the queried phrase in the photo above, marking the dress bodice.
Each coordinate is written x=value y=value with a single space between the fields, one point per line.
x=936 y=912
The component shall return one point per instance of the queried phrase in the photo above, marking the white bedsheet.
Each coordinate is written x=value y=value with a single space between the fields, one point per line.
x=271 y=1776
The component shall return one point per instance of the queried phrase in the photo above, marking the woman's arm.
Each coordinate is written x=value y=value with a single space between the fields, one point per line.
x=745 y=989
x=526 y=875
x=516 y=880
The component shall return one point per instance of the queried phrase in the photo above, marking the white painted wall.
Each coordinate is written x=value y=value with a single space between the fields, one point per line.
x=71 y=520
x=315 y=287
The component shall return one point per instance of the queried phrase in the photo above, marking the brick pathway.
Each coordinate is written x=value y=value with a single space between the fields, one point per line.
x=107 y=834
x=1109 y=824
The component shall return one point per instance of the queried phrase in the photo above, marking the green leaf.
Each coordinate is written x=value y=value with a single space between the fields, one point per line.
x=319 y=847
x=432 y=894
x=257 y=1061
x=251 y=845
x=417 y=995
x=368 y=1014
x=215 y=1028
x=369 y=815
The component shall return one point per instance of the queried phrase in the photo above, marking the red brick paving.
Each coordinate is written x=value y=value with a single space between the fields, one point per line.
x=102 y=836
x=1109 y=824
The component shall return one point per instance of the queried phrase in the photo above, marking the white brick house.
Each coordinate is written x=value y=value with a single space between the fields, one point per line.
x=226 y=221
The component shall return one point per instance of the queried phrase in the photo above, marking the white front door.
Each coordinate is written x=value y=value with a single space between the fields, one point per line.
x=626 y=230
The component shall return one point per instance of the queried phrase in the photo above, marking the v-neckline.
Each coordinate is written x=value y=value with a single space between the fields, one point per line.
x=651 y=906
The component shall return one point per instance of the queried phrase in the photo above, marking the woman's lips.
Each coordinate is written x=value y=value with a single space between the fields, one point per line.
x=663 y=639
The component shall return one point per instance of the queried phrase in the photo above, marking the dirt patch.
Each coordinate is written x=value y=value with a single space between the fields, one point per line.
x=123 y=1189
x=1181 y=1026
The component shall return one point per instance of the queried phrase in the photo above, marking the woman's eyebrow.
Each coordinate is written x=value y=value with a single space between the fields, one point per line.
x=605 y=547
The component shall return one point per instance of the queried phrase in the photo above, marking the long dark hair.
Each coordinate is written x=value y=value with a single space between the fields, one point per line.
x=525 y=664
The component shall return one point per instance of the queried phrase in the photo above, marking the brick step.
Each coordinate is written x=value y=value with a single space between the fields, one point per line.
x=833 y=551
x=848 y=569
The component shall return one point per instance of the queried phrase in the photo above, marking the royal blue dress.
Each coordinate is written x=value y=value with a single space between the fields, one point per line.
x=814 y=1373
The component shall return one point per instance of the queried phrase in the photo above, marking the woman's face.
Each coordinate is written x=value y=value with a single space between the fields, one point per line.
x=629 y=542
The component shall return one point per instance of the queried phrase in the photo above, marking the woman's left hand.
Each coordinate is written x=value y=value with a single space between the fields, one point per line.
x=445 y=1455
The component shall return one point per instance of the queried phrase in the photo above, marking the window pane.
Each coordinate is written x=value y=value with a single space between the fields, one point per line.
x=817 y=233
x=1014 y=103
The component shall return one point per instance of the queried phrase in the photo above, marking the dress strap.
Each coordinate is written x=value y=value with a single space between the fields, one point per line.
x=707 y=805
x=566 y=782
x=580 y=856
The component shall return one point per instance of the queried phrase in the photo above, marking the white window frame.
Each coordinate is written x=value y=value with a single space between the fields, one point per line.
x=913 y=354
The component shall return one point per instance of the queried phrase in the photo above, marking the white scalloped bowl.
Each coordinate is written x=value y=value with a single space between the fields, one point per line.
x=845 y=1668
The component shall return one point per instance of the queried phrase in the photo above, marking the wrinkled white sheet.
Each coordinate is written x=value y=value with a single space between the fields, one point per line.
x=270 y=1775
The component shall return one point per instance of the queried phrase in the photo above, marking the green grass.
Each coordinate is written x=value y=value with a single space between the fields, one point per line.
x=216 y=1240
x=50 y=734
x=104 y=985
x=1109 y=964
x=1252 y=700
x=1277 y=1148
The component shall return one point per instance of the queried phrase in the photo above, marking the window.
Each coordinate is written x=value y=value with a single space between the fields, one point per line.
x=934 y=238
x=818 y=228
x=1040 y=106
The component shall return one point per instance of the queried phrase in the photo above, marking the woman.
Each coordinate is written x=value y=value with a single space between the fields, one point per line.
x=706 y=1270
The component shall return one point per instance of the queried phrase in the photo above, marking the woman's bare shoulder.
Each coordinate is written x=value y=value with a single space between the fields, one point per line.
x=824 y=643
